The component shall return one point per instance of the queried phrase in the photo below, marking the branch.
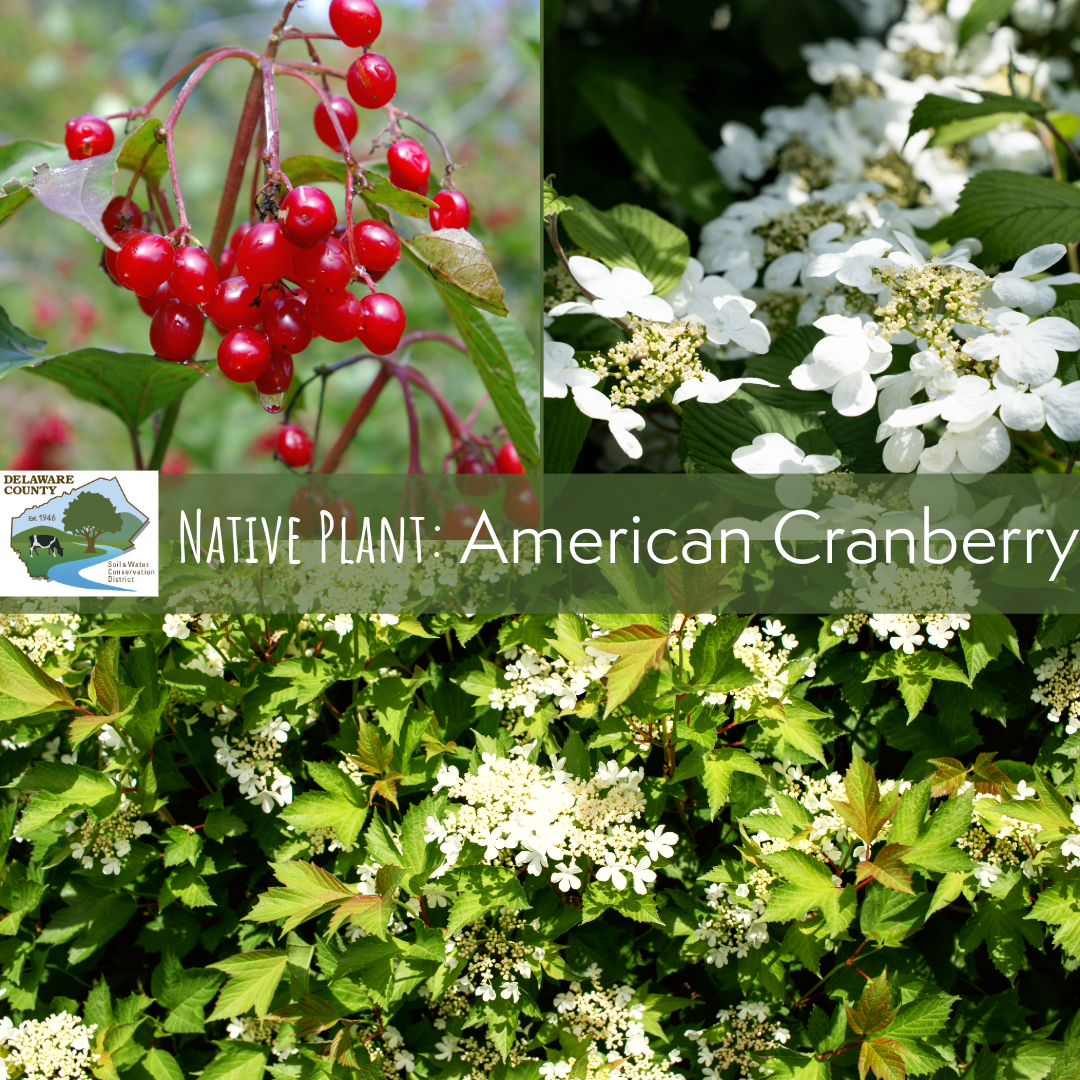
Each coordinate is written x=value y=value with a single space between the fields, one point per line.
x=357 y=417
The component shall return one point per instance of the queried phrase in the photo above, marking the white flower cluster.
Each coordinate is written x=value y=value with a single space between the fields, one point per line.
x=107 y=841
x=1059 y=686
x=996 y=841
x=547 y=816
x=1070 y=847
x=252 y=761
x=56 y=1048
x=266 y=1032
x=739 y=1034
x=756 y=647
x=736 y=926
x=612 y=1022
x=41 y=636
x=533 y=678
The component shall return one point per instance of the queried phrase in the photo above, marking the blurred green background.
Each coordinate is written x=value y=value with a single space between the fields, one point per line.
x=469 y=68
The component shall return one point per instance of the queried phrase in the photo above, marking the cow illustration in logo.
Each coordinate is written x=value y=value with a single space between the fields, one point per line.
x=46 y=541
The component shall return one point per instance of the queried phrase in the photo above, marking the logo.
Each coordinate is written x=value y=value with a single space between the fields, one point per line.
x=79 y=534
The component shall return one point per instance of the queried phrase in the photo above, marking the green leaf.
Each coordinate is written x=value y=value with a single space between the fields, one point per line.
x=17 y=347
x=785 y=354
x=983 y=641
x=924 y=1017
x=76 y=783
x=127 y=384
x=325 y=810
x=253 y=978
x=719 y=767
x=599 y=896
x=237 y=1061
x=931 y=843
x=456 y=261
x=310 y=169
x=374 y=962
x=942 y=113
x=156 y=1065
x=864 y=811
x=1059 y=906
x=140 y=143
x=24 y=688
x=17 y=161
x=808 y=886
x=999 y=921
x=565 y=429
x=631 y=236
x=1011 y=213
x=980 y=15
x=888 y=868
x=873 y=1013
x=915 y=674
x=640 y=648
x=882 y=1057
x=309 y=891
x=184 y=846
x=185 y=993
x=658 y=139
x=554 y=203
x=498 y=370
x=480 y=889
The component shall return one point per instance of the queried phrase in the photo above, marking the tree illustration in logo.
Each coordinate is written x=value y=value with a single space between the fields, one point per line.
x=89 y=515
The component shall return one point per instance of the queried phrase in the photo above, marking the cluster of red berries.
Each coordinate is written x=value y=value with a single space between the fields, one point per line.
x=477 y=476
x=265 y=322
x=44 y=438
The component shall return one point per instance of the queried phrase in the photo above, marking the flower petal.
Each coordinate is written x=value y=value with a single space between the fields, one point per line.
x=854 y=394
x=902 y=449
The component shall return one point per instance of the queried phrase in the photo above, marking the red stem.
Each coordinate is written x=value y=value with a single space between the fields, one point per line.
x=356 y=418
x=430 y=335
x=143 y=110
x=414 y=424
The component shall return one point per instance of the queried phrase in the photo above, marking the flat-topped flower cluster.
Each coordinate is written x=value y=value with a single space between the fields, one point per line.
x=550 y=822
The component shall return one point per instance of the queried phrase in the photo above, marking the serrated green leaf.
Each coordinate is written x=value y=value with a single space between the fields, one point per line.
x=253 y=979
x=309 y=891
x=718 y=768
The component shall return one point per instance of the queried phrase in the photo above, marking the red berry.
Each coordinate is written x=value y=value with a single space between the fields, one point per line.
x=227 y=263
x=474 y=476
x=507 y=460
x=520 y=504
x=342 y=508
x=121 y=213
x=294 y=446
x=307 y=215
x=384 y=323
x=378 y=247
x=337 y=317
x=286 y=325
x=265 y=254
x=87 y=136
x=410 y=168
x=356 y=22
x=306 y=505
x=277 y=378
x=120 y=238
x=239 y=233
x=460 y=521
x=144 y=263
x=371 y=81
x=345 y=111
x=151 y=303
x=194 y=279
x=451 y=212
x=50 y=430
x=236 y=303
x=176 y=331
x=323 y=268
x=244 y=354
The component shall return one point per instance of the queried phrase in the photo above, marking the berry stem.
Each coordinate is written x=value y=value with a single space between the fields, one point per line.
x=394 y=114
x=430 y=335
x=272 y=153
x=291 y=32
x=144 y=110
x=245 y=132
x=318 y=422
x=401 y=374
x=166 y=426
x=356 y=418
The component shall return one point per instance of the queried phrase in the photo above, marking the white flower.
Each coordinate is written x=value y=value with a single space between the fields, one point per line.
x=434 y=830
x=1024 y=791
x=658 y=843
x=343 y=624
x=486 y=991
x=509 y=991
x=110 y=865
x=447 y=777
x=618 y=292
x=176 y=626
x=1027 y=351
x=710 y=390
x=987 y=874
x=907 y=637
x=1071 y=845
x=561 y=370
x=404 y=1059
x=731 y=322
x=641 y=874
x=533 y=860
x=566 y=877
x=843 y=362
x=620 y=421
x=978 y=450
x=612 y=871
x=771 y=455
x=446 y=1047
x=1011 y=288
x=853 y=267
x=607 y=773
x=756 y=1010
